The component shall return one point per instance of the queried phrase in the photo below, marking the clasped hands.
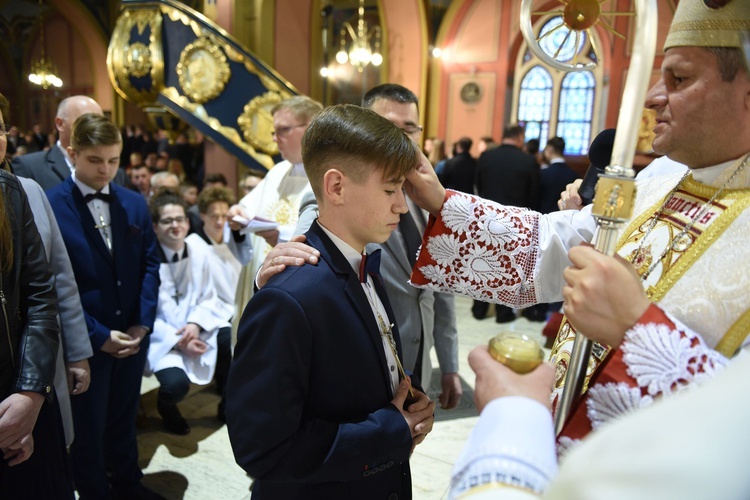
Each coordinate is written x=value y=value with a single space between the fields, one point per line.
x=124 y=344
x=190 y=343
x=418 y=411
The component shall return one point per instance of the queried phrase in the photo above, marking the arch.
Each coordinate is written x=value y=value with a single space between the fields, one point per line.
x=577 y=97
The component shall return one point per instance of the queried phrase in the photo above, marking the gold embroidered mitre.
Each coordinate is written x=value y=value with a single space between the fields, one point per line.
x=709 y=23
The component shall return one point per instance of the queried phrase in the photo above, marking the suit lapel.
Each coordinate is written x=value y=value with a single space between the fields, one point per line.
x=76 y=203
x=57 y=163
x=118 y=221
x=354 y=292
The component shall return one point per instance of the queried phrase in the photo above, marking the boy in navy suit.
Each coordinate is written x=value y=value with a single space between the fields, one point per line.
x=318 y=404
x=108 y=234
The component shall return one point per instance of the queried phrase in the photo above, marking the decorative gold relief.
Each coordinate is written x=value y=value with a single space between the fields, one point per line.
x=137 y=59
x=256 y=122
x=230 y=133
x=203 y=70
x=127 y=58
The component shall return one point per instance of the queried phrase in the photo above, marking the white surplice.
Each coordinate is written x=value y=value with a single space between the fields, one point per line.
x=198 y=303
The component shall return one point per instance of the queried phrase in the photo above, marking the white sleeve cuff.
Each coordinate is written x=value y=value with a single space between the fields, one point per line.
x=513 y=443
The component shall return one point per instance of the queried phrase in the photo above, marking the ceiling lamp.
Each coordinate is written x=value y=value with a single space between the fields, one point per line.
x=42 y=70
x=360 y=54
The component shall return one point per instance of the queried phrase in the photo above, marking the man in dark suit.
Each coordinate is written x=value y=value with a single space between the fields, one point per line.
x=509 y=176
x=108 y=234
x=460 y=171
x=317 y=401
x=49 y=168
x=554 y=179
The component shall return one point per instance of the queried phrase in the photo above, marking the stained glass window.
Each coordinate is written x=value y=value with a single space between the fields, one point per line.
x=575 y=111
x=535 y=103
x=557 y=41
x=551 y=102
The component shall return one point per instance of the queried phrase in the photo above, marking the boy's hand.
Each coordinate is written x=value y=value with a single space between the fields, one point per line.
x=194 y=348
x=188 y=332
x=419 y=413
x=120 y=344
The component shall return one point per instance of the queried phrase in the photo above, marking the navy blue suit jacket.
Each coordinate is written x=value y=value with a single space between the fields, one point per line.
x=117 y=290
x=308 y=407
x=552 y=181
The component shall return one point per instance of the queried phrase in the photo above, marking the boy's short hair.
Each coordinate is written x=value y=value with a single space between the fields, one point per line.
x=355 y=139
x=161 y=200
x=213 y=195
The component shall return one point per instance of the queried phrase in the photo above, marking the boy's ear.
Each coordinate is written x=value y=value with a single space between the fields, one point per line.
x=333 y=186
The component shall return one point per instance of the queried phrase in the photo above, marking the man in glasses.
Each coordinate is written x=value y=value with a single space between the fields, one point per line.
x=277 y=197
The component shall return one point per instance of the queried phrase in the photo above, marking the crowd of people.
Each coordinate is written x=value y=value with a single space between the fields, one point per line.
x=337 y=272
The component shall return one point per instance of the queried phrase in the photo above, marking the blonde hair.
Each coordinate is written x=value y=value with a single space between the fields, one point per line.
x=302 y=107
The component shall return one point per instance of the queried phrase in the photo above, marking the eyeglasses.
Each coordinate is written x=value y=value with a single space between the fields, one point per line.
x=412 y=129
x=171 y=220
x=282 y=131
x=4 y=129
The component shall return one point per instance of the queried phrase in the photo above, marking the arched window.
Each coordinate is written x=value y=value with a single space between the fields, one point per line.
x=535 y=103
x=576 y=111
x=549 y=102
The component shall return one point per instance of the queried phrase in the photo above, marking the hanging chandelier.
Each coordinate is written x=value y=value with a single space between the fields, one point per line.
x=43 y=71
x=360 y=54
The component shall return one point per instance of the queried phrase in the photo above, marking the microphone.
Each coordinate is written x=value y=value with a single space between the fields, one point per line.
x=600 y=153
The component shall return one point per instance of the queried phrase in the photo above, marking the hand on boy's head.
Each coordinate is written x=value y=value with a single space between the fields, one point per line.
x=292 y=253
x=423 y=186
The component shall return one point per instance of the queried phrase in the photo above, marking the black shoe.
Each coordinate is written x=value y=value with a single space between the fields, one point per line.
x=535 y=313
x=479 y=310
x=505 y=317
x=135 y=492
x=221 y=412
x=172 y=419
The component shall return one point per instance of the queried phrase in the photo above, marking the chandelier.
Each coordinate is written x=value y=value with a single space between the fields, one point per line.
x=43 y=72
x=360 y=54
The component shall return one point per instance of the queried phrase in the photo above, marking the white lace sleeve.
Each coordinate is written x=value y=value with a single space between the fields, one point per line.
x=662 y=361
x=489 y=252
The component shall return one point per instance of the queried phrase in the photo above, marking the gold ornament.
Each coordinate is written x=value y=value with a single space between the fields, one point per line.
x=256 y=122
x=203 y=70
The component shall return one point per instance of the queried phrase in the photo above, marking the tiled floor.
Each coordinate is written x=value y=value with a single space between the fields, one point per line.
x=201 y=465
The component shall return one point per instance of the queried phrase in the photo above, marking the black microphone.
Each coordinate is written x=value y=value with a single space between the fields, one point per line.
x=600 y=153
